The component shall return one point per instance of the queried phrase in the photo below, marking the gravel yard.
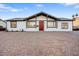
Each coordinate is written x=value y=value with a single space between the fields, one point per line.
x=39 y=43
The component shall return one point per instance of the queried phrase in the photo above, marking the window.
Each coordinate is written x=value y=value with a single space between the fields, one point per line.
x=31 y=24
x=13 y=24
x=51 y=24
x=64 y=25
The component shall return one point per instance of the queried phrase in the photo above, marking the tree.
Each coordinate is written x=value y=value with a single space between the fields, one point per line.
x=76 y=14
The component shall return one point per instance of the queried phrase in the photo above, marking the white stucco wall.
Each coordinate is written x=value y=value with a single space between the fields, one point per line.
x=59 y=26
x=20 y=26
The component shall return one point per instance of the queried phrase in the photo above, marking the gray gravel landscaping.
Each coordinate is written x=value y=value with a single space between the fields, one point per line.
x=39 y=43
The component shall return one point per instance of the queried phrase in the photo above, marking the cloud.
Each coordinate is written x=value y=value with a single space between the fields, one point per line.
x=39 y=5
x=75 y=5
x=69 y=4
x=3 y=6
x=15 y=10
x=8 y=8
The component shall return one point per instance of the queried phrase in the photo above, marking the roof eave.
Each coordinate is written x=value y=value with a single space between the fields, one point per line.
x=64 y=20
x=15 y=20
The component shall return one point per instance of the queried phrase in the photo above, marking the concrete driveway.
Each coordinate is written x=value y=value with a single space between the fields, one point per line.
x=39 y=43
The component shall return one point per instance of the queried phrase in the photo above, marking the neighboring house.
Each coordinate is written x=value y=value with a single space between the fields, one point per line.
x=76 y=23
x=39 y=22
x=2 y=24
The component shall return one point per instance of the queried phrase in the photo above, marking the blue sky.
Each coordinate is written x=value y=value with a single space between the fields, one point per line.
x=19 y=10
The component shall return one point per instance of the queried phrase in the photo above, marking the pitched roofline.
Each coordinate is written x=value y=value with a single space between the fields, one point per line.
x=37 y=14
x=41 y=13
x=65 y=19
x=15 y=20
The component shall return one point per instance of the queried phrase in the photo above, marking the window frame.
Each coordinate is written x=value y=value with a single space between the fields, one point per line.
x=12 y=25
x=52 y=23
x=63 y=25
x=30 y=21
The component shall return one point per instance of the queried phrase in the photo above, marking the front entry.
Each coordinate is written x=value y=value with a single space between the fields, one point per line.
x=41 y=25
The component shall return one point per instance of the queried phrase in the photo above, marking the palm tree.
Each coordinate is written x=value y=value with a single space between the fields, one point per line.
x=76 y=14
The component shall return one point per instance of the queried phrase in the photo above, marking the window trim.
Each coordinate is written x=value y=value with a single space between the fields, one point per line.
x=53 y=23
x=11 y=24
x=64 y=23
x=30 y=21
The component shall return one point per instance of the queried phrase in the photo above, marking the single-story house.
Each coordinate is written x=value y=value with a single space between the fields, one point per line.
x=76 y=23
x=39 y=22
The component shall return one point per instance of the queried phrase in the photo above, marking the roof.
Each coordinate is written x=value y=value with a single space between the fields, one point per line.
x=41 y=13
x=15 y=19
x=65 y=19
x=38 y=14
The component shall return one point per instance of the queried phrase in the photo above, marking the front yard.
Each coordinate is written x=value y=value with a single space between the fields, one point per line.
x=39 y=43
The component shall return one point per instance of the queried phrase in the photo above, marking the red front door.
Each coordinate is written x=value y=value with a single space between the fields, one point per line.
x=41 y=25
